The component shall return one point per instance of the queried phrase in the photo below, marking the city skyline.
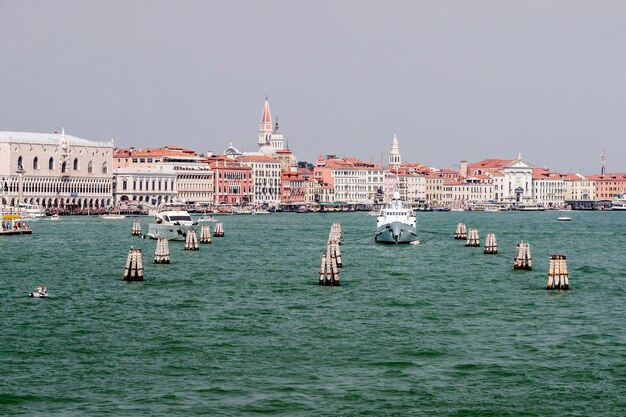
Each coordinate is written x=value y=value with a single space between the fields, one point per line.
x=452 y=80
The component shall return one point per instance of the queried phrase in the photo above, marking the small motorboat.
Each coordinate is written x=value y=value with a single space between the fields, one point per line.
x=39 y=292
x=112 y=216
x=565 y=219
x=55 y=217
x=415 y=242
x=206 y=219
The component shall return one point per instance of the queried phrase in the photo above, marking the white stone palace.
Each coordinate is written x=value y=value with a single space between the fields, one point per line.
x=55 y=170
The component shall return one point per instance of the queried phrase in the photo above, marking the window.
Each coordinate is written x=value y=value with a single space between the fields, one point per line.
x=36 y=163
x=90 y=168
x=51 y=163
x=75 y=164
x=64 y=167
x=105 y=168
x=19 y=162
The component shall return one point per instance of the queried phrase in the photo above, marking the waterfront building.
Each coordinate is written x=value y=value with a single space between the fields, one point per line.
x=547 y=188
x=317 y=191
x=434 y=189
x=151 y=157
x=462 y=193
x=145 y=185
x=292 y=188
x=195 y=181
x=578 y=187
x=266 y=179
x=412 y=182
x=232 y=181
x=55 y=170
x=150 y=170
x=354 y=181
x=515 y=183
x=608 y=185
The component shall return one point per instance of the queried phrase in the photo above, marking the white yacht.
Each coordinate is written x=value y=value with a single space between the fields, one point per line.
x=619 y=202
x=31 y=211
x=171 y=224
x=395 y=223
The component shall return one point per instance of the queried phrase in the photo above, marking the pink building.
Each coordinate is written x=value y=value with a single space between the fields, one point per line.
x=233 y=181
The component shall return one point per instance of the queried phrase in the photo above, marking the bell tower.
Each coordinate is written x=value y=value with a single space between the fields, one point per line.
x=265 y=128
x=395 y=160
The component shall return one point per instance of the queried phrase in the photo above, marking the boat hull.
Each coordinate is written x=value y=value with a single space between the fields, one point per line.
x=169 y=232
x=396 y=232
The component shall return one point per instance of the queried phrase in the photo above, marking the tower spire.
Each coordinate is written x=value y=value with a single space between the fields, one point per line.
x=265 y=127
x=394 y=153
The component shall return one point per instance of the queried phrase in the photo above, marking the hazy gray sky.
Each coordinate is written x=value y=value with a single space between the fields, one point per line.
x=453 y=79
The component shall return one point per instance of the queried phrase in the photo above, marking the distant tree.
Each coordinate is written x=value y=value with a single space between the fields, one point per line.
x=305 y=164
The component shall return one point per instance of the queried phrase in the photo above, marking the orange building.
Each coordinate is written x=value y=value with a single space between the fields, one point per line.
x=608 y=185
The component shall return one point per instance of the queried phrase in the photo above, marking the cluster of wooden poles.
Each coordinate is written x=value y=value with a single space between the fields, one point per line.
x=133 y=270
x=558 y=276
x=331 y=259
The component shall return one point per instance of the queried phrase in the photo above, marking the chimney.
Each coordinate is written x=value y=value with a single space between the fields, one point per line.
x=463 y=169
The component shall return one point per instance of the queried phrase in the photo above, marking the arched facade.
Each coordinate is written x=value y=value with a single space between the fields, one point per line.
x=67 y=182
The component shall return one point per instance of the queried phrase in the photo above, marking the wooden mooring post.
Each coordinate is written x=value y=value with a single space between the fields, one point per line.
x=133 y=271
x=162 y=252
x=558 y=276
x=461 y=232
x=491 y=246
x=219 y=230
x=205 y=234
x=136 y=231
x=331 y=259
x=191 y=243
x=523 y=259
x=472 y=238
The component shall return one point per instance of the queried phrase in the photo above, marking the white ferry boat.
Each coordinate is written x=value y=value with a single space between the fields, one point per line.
x=170 y=224
x=619 y=202
x=395 y=223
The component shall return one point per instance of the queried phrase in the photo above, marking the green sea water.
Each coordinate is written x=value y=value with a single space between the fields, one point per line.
x=242 y=328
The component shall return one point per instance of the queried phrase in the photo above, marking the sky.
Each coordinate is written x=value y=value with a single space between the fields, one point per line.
x=453 y=80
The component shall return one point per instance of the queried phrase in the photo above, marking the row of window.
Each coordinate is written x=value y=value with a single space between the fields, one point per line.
x=64 y=165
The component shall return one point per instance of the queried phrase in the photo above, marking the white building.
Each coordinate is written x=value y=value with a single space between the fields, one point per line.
x=55 y=170
x=147 y=185
x=578 y=187
x=358 y=184
x=265 y=179
x=512 y=179
x=195 y=181
x=548 y=188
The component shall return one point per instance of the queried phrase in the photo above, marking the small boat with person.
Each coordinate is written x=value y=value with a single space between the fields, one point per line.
x=55 y=216
x=564 y=219
x=39 y=292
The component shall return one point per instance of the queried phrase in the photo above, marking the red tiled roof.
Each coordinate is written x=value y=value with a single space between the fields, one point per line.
x=257 y=158
x=491 y=163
